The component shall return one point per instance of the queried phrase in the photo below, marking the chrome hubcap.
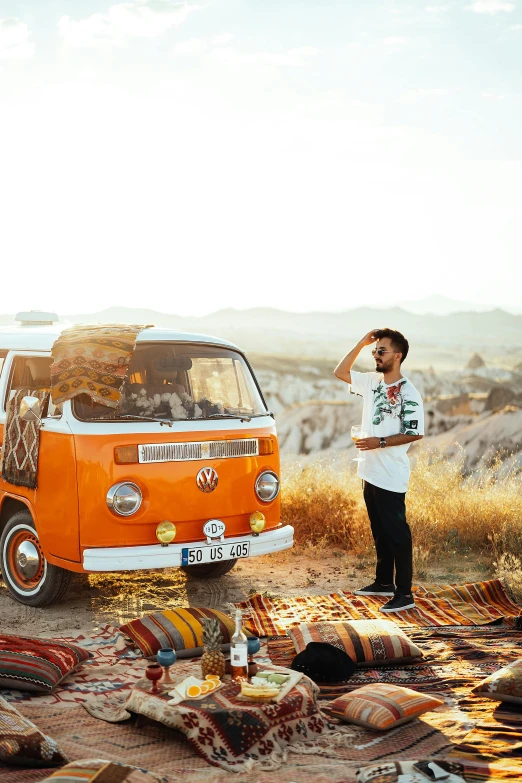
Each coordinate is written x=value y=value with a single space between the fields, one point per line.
x=27 y=560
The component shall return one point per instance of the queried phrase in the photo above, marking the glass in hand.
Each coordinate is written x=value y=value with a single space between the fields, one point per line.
x=357 y=433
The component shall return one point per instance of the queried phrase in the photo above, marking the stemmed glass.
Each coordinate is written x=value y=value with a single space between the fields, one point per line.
x=358 y=433
x=166 y=656
x=153 y=673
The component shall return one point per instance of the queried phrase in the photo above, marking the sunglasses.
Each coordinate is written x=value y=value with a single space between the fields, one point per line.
x=380 y=352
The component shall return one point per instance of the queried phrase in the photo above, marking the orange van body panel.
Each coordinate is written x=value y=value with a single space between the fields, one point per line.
x=169 y=490
x=54 y=503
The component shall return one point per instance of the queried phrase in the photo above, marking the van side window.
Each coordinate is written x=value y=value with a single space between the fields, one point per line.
x=3 y=354
x=31 y=373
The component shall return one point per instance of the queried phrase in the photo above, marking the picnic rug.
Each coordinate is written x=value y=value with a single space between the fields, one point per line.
x=21 y=442
x=479 y=603
x=92 y=360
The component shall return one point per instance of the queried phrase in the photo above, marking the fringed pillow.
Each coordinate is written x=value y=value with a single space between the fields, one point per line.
x=39 y=665
x=101 y=771
x=181 y=629
x=381 y=706
x=22 y=744
x=503 y=685
x=367 y=642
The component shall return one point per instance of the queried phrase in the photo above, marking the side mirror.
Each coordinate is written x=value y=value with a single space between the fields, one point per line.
x=30 y=409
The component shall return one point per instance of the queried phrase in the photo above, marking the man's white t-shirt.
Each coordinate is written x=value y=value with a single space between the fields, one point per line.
x=389 y=409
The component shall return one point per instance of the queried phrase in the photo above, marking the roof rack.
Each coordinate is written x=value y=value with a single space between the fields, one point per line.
x=37 y=318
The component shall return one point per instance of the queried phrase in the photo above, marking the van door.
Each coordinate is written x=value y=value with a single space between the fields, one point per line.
x=54 y=503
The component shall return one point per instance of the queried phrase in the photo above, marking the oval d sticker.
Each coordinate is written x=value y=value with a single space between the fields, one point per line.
x=214 y=528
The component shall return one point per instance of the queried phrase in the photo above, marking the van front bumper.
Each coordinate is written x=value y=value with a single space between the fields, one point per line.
x=134 y=558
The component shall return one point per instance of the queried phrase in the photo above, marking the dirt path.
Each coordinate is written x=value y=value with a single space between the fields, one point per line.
x=112 y=599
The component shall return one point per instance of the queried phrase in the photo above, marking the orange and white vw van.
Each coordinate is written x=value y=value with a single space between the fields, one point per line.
x=161 y=486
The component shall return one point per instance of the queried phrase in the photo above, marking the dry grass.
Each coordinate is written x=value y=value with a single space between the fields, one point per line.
x=449 y=513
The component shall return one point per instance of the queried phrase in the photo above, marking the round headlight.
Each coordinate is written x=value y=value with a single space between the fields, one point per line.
x=124 y=499
x=267 y=486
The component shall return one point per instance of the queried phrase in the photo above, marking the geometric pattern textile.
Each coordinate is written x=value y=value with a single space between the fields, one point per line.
x=381 y=706
x=21 y=442
x=87 y=770
x=22 y=743
x=479 y=603
x=37 y=665
x=225 y=729
x=92 y=360
x=181 y=629
x=405 y=772
x=503 y=685
x=367 y=642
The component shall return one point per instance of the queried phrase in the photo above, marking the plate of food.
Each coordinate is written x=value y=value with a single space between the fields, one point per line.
x=270 y=685
x=195 y=688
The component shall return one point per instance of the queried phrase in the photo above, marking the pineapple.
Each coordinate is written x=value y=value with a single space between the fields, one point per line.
x=212 y=660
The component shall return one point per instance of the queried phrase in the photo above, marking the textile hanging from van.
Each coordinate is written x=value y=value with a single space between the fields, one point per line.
x=21 y=442
x=93 y=360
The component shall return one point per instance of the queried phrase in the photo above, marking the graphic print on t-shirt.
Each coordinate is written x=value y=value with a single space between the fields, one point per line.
x=390 y=401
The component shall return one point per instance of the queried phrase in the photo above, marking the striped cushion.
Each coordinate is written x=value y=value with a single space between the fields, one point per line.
x=180 y=629
x=101 y=771
x=38 y=665
x=22 y=744
x=381 y=706
x=367 y=642
x=503 y=685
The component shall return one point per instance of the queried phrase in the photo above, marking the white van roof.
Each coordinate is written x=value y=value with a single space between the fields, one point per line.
x=42 y=338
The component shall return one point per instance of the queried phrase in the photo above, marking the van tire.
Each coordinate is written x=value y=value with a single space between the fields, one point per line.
x=209 y=570
x=48 y=584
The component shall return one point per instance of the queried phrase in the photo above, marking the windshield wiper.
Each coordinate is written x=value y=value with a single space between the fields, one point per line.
x=241 y=416
x=167 y=422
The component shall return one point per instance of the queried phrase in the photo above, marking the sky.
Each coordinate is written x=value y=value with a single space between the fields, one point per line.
x=192 y=156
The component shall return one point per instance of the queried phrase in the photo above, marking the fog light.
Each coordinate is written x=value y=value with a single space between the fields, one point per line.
x=257 y=522
x=166 y=532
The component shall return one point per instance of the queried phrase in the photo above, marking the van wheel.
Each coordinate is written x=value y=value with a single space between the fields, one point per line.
x=27 y=574
x=210 y=570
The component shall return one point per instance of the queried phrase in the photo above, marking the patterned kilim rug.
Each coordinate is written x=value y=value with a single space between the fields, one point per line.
x=92 y=360
x=436 y=605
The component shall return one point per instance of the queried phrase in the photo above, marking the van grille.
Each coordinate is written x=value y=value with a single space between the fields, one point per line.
x=209 y=449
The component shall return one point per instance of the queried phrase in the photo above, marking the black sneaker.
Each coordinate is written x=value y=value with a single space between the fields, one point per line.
x=376 y=589
x=399 y=603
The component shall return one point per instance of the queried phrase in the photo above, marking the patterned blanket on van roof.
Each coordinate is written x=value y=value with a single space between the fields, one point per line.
x=92 y=360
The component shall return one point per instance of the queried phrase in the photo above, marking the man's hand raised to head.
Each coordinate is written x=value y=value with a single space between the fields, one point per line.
x=370 y=338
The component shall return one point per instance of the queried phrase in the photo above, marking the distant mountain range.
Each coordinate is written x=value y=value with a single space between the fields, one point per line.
x=328 y=334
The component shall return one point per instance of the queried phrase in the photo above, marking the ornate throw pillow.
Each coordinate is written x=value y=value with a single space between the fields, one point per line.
x=101 y=771
x=23 y=744
x=30 y=664
x=180 y=629
x=367 y=642
x=381 y=706
x=504 y=685
x=408 y=772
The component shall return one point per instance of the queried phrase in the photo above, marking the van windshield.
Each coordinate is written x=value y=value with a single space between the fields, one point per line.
x=174 y=381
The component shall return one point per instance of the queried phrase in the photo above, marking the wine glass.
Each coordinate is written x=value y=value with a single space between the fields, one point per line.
x=253 y=646
x=166 y=656
x=153 y=673
x=358 y=433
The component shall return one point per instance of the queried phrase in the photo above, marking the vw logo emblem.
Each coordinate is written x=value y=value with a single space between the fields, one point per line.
x=207 y=479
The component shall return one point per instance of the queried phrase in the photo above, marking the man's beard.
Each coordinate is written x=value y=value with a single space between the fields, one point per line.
x=384 y=367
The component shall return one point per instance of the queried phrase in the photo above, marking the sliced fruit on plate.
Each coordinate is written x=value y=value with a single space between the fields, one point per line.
x=193 y=691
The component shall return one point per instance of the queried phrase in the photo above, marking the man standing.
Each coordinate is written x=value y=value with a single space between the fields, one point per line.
x=393 y=417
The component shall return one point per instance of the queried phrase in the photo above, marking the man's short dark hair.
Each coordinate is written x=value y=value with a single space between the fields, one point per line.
x=398 y=341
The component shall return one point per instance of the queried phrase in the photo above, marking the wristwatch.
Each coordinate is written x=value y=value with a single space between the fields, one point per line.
x=382 y=443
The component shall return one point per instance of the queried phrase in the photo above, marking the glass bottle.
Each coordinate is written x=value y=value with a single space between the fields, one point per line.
x=239 y=651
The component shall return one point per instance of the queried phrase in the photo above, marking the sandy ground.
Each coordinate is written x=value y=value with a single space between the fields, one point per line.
x=111 y=599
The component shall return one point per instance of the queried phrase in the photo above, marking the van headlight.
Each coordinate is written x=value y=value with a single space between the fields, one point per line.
x=267 y=486
x=124 y=498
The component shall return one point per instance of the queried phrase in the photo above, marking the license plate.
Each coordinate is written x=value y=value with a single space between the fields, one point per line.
x=213 y=554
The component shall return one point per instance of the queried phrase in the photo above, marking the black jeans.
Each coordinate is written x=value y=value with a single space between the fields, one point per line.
x=392 y=536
